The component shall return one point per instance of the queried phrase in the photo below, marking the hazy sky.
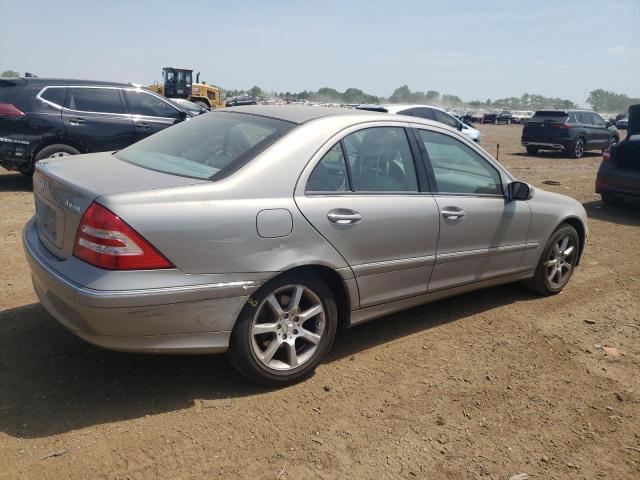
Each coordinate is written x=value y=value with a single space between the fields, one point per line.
x=473 y=49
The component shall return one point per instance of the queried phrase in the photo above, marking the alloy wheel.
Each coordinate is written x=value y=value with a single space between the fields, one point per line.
x=288 y=327
x=560 y=263
x=59 y=154
x=579 y=148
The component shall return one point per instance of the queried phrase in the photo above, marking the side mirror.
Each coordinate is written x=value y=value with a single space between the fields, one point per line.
x=183 y=116
x=460 y=126
x=519 y=191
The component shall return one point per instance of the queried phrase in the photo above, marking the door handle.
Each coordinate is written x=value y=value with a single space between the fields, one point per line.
x=453 y=213
x=343 y=216
x=143 y=125
x=77 y=121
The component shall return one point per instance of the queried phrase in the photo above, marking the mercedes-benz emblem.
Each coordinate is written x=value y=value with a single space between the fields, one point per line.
x=42 y=185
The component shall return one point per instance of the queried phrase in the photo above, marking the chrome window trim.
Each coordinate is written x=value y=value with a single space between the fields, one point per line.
x=125 y=115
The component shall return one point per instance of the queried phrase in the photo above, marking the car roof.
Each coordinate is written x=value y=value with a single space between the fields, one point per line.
x=64 y=81
x=348 y=116
x=295 y=113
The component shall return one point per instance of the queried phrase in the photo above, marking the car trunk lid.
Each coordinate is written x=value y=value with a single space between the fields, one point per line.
x=64 y=189
x=546 y=125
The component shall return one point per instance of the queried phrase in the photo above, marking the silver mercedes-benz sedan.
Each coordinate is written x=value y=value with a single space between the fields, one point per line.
x=262 y=230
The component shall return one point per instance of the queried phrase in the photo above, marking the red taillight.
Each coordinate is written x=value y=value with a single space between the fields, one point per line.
x=560 y=125
x=105 y=241
x=606 y=155
x=9 y=110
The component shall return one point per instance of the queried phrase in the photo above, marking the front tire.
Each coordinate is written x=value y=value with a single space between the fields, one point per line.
x=284 y=330
x=557 y=262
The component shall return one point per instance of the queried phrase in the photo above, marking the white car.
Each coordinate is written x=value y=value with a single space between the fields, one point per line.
x=428 y=112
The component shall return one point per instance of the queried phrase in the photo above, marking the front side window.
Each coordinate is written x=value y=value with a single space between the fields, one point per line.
x=206 y=147
x=445 y=118
x=585 y=118
x=97 y=100
x=330 y=174
x=597 y=120
x=380 y=160
x=143 y=103
x=457 y=168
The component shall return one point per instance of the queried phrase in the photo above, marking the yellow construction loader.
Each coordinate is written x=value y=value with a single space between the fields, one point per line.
x=177 y=83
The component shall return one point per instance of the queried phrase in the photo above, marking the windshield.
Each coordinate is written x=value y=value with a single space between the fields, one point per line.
x=207 y=147
x=190 y=106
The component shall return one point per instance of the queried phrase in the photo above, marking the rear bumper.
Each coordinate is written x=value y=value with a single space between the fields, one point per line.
x=624 y=183
x=172 y=319
x=546 y=145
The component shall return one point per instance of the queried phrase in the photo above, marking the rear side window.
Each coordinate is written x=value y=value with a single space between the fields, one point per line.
x=209 y=146
x=423 y=112
x=457 y=168
x=408 y=111
x=98 y=100
x=445 y=118
x=142 y=103
x=330 y=174
x=55 y=95
x=380 y=160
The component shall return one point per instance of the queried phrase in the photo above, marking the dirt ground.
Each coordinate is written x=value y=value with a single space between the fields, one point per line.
x=486 y=385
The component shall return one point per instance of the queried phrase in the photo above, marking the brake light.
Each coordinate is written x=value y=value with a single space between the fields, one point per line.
x=106 y=241
x=606 y=155
x=9 y=110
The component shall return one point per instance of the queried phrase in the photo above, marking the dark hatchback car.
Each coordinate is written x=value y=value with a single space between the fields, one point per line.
x=44 y=118
x=571 y=131
x=619 y=173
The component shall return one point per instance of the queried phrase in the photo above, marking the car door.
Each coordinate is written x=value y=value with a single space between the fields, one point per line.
x=601 y=132
x=94 y=117
x=590 y=130
x=362 y=192
x=482 y=234
x=150 y=113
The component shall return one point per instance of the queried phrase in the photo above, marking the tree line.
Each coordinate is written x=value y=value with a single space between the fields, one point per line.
x=600 y=100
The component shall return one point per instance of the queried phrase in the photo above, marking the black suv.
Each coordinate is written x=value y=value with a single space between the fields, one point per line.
x=42 y=118
x=572 y=131
x=619 y=173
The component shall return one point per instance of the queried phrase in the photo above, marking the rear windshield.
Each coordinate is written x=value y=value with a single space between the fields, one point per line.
x=210 y=146
x=549 y=116
x=8 y=88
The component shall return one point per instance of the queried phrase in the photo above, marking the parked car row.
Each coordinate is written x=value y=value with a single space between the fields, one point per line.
x=46 y=118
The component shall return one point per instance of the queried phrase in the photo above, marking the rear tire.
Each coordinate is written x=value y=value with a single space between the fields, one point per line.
x=557 y=262
x=532 y=150
x=52 y=151
x=610 y=199
x=578 y=147
x=300 y=344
